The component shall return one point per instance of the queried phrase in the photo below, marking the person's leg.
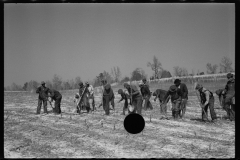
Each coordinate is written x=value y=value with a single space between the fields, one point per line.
x=211 y=108
x=45 y=106
x=39 y=106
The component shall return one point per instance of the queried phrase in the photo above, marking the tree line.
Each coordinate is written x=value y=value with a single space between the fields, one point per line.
x=115 y=76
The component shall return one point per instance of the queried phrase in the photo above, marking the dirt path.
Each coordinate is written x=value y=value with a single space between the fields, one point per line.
x=93 y=135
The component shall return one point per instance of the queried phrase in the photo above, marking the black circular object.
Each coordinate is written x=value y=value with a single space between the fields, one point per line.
x=134 y=123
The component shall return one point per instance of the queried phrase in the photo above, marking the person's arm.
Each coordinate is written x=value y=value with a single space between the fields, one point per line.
x=180 y=94
x=136 y=91
x=121 y=99
x=185 y=91
x=38 y=89
x=207 y=97
x=148 y=91
x=166 y=97
x=225 y=89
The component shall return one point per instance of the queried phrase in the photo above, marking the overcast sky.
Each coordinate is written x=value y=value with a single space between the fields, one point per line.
x=71 y=40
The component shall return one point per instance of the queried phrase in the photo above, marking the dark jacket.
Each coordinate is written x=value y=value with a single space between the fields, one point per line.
x=184 y=90
x=108 y=91
x=145 y=91
x=203 y=96
x=43 y=92
x=177 y=95
x=81 y=89
x=54 y=94
x=159 y=93
x=230 y=88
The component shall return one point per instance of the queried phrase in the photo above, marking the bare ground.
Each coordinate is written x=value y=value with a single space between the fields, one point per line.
x=94 y=135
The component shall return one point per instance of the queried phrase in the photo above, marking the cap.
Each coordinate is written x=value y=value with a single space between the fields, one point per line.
x=229 y=75
x=173 y=88
x=42 y=82
x=120 y=91
x=177 y=81
x=198 y=86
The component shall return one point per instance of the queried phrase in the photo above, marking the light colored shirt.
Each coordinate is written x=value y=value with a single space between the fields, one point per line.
x=91 y=90
x=207 y=93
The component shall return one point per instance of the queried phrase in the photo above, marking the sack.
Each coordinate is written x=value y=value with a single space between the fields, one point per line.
x=130 y=108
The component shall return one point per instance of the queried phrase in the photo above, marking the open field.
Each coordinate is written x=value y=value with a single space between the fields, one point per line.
x=93 y=135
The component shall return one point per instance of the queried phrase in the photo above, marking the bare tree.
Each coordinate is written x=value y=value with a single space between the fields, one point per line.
x=77 y=81
x=138 y=74
x=177 y=71
x=116 y=74
x=56 y=82
x=211 y=69
x=156 y=66
x=226 y=65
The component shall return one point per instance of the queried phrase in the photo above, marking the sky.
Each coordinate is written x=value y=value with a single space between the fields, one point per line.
x=72 y=40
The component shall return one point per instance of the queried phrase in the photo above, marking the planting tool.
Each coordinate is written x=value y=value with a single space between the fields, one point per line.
x=80 y=99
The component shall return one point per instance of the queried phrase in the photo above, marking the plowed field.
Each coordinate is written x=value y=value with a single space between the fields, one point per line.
x=94 y=135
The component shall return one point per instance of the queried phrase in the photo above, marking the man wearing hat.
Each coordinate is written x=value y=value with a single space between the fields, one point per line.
x=135 y=97
x=176 y=98
x=146 y=96
x=83 y=92
x=229 y=97
x=91 y=95
x=207 y=100
x=184 y=90
x=124 y=96
x=57 y=97
x=42 y=98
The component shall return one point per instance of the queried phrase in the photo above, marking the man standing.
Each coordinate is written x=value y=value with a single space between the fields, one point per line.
x=83 y=104
x=176 y=98
x=91 y=95
x=42 y=98
x=146 y=96
x=108 y=96
x=184 y=90
x=135 y=96
x=124 y=96
x=57 y=97
x=207 y=100
x=229 y=97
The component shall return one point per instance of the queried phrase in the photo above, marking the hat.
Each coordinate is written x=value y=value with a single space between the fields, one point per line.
x=108 y=86
x=177 y=81
x=173 y=88
x=80 y=83
x=42 y=82
x=120 y=91
x=76 y=95
x=229 y=75
x=125 y=84
x=140 y=83
x=198 y=86
x=154 y=93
